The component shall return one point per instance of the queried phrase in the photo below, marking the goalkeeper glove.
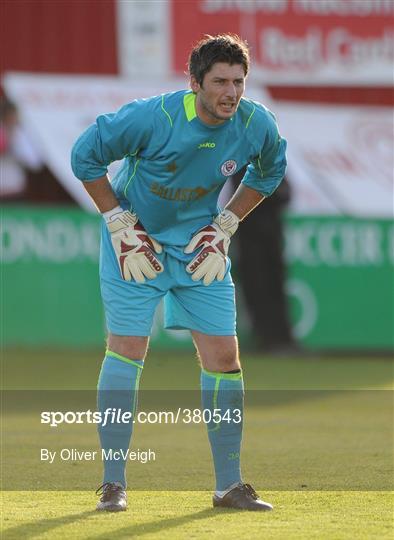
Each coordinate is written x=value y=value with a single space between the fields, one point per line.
x=214 y=240
x=134 y=248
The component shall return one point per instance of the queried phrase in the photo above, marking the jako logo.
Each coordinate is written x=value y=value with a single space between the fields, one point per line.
x=206 y=145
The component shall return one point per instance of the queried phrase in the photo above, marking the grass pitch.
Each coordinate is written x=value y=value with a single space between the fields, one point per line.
x=317 y=444
x=182 y=515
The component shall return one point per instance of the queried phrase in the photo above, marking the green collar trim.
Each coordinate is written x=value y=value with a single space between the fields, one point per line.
x=189 y=103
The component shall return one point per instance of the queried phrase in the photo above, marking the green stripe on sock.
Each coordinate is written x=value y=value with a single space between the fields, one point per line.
x=137 y=383
x=215 y=401
x=122 y=358
x=228 y=376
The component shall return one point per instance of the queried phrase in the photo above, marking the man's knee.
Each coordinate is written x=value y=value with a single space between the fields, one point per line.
x=133 y=347
x=227 y=361
x=217 y=353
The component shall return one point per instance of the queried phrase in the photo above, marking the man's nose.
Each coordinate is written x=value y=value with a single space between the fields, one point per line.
x=231 y=90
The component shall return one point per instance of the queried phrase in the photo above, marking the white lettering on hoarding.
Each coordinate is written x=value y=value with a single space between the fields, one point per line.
x=344 y=47
x=336 y=244
x=338 y=46
x=370 y=245
x=300 y=244
x=344 y=8
x=56 y=241
x=324 y=8
x=327 y=243
x=247 y=6
x=302 y=292
x=349 y=245
x=331 y=39
x=48 y=97
x=280 y=49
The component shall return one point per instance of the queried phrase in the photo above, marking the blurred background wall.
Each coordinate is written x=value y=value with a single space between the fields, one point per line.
x=323 y=66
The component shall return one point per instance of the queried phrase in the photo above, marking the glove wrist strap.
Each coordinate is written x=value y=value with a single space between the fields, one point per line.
x=118 y=219
x=108 y=216
x=227 y=221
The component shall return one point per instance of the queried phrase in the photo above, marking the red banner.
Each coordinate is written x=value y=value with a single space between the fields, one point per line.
x=296 y=41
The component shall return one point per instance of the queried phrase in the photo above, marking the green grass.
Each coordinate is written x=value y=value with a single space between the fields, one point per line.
x=317 y=444
x=53 y=369
x=184 y=515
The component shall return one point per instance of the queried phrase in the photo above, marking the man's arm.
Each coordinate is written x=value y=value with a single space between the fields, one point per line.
x=263 y=176
x=267 y=169
x=100 y=191
x=243 y=201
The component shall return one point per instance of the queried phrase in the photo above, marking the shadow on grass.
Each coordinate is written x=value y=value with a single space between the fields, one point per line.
x=37 y=528
x=152 y=527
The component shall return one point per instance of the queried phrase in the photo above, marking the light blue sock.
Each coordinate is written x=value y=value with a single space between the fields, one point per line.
x=224 y=391
x=117 y=389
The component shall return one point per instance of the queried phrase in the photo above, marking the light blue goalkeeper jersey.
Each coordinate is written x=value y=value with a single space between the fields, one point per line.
x=175 y=165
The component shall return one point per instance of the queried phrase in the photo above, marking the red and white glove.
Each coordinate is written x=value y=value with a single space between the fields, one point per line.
x=214 y=240
x=134 y=248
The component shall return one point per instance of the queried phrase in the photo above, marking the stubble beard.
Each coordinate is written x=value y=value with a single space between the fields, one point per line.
x=210 y=111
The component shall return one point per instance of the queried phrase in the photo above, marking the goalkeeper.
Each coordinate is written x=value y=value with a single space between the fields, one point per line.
x=163 y=236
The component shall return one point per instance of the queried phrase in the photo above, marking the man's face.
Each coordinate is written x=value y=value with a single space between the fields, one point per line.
x=220 y=92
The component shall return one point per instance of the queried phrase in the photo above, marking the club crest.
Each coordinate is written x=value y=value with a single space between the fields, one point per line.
x=229 y=167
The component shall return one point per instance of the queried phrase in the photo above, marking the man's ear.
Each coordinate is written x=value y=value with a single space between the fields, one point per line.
x=194 y=84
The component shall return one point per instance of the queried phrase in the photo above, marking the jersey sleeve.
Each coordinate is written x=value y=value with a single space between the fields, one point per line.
x=267 y=169
x=112 y=137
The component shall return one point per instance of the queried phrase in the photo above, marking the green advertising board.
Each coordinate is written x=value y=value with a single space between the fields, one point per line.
x=340 y=281
x=50 y=285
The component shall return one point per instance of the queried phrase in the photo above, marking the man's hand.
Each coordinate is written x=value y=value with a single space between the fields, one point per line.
x=214 y=240
x=134 y=248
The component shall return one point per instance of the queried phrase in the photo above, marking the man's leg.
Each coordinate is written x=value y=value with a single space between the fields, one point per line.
x=222 y=389
x=118 y=389
x=209 y=312
x=129 y=310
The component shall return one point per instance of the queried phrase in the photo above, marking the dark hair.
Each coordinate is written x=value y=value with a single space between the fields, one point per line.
x=228 y=48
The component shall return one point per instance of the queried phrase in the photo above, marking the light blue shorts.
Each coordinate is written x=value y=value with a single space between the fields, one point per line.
x=130 y=306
